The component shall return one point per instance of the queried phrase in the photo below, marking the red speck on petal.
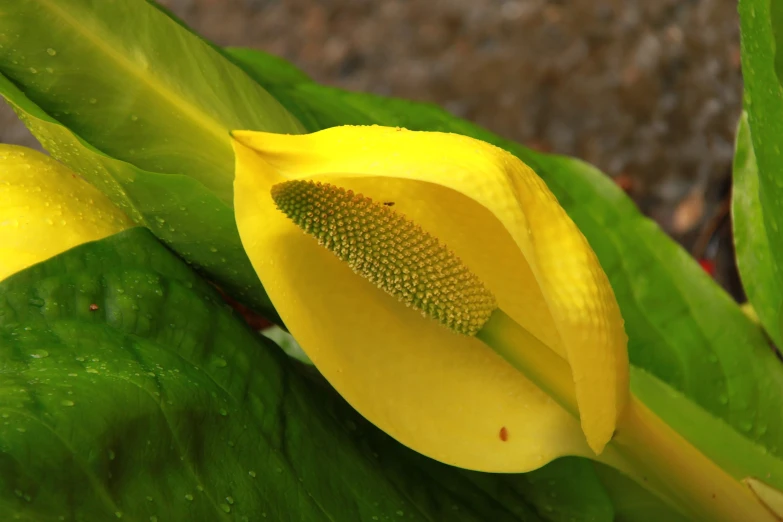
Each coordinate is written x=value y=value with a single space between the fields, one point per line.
x=503 y=434
x=93 y=307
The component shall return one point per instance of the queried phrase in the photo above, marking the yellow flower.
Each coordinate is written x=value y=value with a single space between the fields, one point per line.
x=46 y=209
x=441 y=392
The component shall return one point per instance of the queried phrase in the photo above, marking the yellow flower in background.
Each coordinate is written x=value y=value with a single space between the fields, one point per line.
x=503 y=253
x=46 y=209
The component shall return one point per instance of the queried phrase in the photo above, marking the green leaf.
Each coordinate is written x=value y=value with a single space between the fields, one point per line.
x=274 y=70
x=683 y=328
x=145 y=90
x=178 y=209
x=161 y=404
x=105 y=97
x=563 y=491
x=755 y=262
x=761 y=24
x=633 y=503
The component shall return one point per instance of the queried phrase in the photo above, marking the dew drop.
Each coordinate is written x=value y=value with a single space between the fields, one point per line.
x=226 y=508
x=134 y=117
x=400 y=513
x=40 y=354
x=230 y=500
x=220 y=363
x=188 y=497
x=93 y=101
x=51 y=52
x=33 y=70
x=252 y=474
x=153 y=518
x=223 y=412
x=66 y=402
x=118 y=514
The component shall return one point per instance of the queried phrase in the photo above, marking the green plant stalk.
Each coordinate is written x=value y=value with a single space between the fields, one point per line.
x=661 y=460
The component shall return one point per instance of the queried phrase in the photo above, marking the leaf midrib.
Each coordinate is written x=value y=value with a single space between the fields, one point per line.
x=200 y=118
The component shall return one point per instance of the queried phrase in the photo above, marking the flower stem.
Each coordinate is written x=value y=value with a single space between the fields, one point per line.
x=662 y=461
x=537 y=361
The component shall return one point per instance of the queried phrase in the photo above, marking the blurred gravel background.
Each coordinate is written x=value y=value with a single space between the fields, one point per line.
x=647 y=90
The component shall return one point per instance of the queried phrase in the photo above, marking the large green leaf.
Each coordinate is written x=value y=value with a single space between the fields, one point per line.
x=762 y=70
x=136 y=85
x=189 y=218
x=633 y=503
x=124 y=79
x=755 y=261
x=162 y=405
x=683 y=328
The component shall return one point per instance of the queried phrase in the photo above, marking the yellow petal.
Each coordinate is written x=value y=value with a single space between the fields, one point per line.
x=502 y=221
x=46 y=209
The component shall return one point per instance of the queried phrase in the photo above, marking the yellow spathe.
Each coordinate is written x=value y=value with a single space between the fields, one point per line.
x=442 y=394
x=46 y=209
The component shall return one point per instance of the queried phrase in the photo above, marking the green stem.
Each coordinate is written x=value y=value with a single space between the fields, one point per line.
x=537 y=361
x=661 y=459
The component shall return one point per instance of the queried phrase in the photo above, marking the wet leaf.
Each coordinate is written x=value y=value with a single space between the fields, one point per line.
x=755 y=261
